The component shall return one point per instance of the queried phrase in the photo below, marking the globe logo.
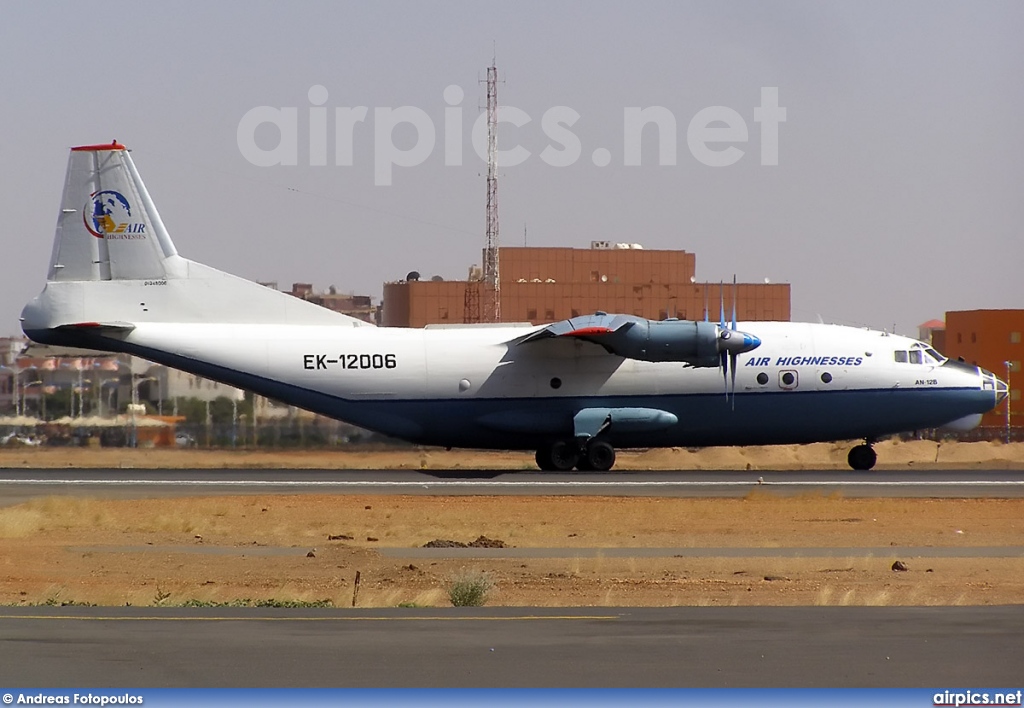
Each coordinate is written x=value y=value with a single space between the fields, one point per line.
x=105 y=212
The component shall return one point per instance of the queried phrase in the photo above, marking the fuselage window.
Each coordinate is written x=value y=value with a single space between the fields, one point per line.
x=826 y=377
x=762 y=378
x=901 y=357
x=915 y=357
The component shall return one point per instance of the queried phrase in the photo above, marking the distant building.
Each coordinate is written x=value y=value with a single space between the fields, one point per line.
x=991 y=339
x=359 y=306
x=933 y=332
x=10 y=348
x=161 y=386
x=541 y=285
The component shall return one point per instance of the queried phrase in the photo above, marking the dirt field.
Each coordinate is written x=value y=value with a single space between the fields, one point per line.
x=224 y=549
x=261 y=548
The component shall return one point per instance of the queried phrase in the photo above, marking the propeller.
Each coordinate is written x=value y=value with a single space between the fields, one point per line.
x=731 y=342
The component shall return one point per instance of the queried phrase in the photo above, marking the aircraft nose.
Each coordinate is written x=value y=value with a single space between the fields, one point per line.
x=1002 y=390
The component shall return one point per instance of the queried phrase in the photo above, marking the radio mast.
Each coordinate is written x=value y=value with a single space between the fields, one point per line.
x=486 y=286
x=492 y=283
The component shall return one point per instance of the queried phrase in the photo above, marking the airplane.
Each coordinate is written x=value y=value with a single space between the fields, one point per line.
x=574 y=391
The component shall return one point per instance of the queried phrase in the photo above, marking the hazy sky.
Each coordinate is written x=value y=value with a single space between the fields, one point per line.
x=897 y=194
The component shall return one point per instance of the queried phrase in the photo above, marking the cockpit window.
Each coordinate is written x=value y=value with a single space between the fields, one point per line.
x=916 y=357
x=901 y=357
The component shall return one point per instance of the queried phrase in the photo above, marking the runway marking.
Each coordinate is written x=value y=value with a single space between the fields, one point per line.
x=378 y=618
x=499 y=484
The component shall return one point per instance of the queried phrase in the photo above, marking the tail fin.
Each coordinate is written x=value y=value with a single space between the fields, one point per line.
x=114 y=265
x=108 y=227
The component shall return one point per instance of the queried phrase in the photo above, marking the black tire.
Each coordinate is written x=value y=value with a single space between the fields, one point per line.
x=543 y=458
x=862 y=458
x=600 y=456
x=564 y=455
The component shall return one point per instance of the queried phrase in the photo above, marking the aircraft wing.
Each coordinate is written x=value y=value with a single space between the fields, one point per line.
x=591 y=328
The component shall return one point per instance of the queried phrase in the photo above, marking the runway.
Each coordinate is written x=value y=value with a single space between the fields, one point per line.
x=543 y=647
x=599 y=647
x=18 y=485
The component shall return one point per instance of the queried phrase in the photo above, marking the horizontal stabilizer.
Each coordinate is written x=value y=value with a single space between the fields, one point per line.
x=100 y=328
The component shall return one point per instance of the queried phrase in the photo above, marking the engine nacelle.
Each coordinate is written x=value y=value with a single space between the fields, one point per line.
x=695 y=343
x=671 y=340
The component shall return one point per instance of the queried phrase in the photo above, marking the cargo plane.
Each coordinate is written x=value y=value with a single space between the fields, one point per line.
x=574 y=391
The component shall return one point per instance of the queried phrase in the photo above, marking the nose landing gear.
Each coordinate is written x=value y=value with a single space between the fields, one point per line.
x=862 y=457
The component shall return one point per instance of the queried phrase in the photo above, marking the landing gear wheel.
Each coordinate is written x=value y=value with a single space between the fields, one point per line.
x=559 y=456
x=543 y=458
x=862 y=457
x=599 y=456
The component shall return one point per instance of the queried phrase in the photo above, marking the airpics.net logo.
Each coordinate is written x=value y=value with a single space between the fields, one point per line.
x=715 y=136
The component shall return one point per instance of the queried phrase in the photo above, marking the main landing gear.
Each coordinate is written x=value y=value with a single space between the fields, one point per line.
x=563 y=455
x=862 y=457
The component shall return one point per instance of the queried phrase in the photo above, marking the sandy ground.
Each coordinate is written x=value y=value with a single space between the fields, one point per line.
x=224 y=549
x=228 y=549
x=891 y=455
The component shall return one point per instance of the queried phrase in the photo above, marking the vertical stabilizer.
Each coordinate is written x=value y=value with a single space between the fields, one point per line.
x=108 y=228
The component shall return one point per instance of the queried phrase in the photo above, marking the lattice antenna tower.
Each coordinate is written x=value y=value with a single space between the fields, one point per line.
x=492 y=282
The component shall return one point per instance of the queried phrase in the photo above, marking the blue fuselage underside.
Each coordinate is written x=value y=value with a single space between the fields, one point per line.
x=757 y=418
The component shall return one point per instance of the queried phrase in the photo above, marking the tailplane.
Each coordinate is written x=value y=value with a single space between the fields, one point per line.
x=113 y=263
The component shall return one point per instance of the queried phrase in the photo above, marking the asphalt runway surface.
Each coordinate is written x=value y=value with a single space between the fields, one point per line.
x=594 y=647
x=17 y=485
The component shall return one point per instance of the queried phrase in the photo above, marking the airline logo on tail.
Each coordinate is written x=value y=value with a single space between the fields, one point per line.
x=109 y=215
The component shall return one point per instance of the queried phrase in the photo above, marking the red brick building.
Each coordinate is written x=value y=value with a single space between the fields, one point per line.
x=541 y=285
x=991 y=339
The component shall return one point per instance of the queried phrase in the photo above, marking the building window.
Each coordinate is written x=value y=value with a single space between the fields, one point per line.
x=1014 y=366
x=959 y=338
x=974 y=337
x=1014 y=337
x=550 y=315
x=575 y=313
x=531 y=315
x=444 y=313
x=1015 y=395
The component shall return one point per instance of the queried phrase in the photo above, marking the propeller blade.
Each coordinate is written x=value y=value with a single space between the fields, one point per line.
x=732 y=360
x=721 y=305
x=734 y=302
x=724 y=365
